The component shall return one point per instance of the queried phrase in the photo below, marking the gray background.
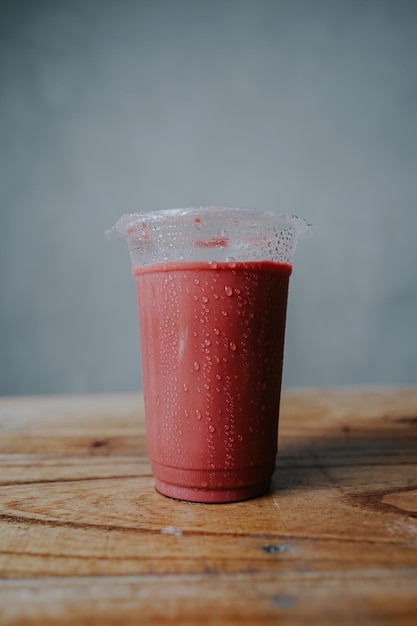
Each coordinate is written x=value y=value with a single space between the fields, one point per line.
x=114 y=106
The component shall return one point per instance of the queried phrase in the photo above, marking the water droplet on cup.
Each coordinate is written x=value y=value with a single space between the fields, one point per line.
x=228 y=290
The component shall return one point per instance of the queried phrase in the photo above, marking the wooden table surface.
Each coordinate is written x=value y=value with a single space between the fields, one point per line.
x=85 y=539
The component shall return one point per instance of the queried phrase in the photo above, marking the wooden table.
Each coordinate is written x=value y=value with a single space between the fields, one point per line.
x=85 y=539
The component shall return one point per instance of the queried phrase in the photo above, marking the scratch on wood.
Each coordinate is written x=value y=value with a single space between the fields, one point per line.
x=411 y=421
x=72 y=480
x=384 y=500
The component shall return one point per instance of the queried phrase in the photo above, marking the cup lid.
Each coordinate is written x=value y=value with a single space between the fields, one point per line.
x=215 y=233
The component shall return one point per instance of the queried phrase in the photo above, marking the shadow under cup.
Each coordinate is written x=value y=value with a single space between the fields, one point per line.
x=212 y=287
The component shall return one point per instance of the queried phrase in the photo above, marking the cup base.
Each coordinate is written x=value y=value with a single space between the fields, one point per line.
x=212 y=496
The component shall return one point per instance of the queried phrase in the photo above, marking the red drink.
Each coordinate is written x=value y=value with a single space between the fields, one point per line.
x=212 y=337
x=212 y=287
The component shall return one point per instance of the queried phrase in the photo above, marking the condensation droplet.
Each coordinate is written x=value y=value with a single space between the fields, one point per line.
x=196 y=366
x=224 y=313
x=198 y=414
x=228 y=290
x=185 y=387
x=232 y=346
x=211 y=428
x=216 y=331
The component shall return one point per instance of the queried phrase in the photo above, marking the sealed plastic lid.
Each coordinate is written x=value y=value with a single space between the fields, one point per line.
x=209 y=234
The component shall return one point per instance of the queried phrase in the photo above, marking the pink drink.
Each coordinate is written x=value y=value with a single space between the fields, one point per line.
x=212 y=287
x=212 y=337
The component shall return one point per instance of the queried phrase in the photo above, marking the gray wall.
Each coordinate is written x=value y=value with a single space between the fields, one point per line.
x=114 y=106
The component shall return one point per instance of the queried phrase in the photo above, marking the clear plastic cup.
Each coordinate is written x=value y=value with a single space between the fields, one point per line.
x=212 y=286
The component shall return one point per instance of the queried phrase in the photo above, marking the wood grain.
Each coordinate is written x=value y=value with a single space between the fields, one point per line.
x=85 y=539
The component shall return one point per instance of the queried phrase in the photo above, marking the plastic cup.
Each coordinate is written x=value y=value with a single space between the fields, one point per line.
x=212 y=287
